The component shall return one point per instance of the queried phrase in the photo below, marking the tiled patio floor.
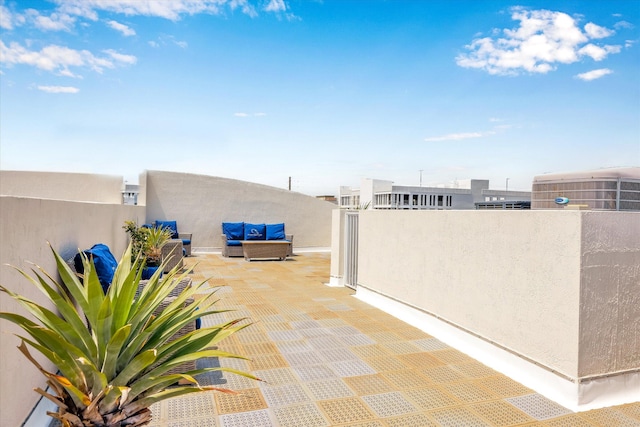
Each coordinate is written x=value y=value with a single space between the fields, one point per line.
x=329 y=359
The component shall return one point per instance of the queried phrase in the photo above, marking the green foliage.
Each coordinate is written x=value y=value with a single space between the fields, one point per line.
x=147 y=242
x=114 y=366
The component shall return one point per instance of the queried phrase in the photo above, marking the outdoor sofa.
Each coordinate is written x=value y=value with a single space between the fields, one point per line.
x=235 y=233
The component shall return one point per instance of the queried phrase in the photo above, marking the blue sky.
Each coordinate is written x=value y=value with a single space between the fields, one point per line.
x=325 y=92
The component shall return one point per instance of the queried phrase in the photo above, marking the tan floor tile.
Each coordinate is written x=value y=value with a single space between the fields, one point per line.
x=368 y=384
x=345 y=410
x=406 y=379
x=246 y=400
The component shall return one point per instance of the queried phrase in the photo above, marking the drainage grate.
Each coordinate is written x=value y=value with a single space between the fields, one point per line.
x=283 y=395
x=356 y=339
x=288 y=335
x=315 y=332
x=386 y=363
x=443 y=374
x=385 y=337
x=345 y=330
x=368 y=384
x=254 y=418
x=345 y=410
x=475 y=370
x=469 y=392
x=405 y=379
x=337 y=354
x=314 y=372
x=305 y=358
x=306 y=324
x=389 y=404
x=430 y=344
x=538 y=406
x=248 y=400
x=610 y=417
x=456 y=417
x=325 y=342
x=294 y=346
x=371 y=350
x=277 y=376
x=500 y=413
x=420 y=360
x=194 y=405
x=195 y=422
x=504 y=386
x=329 y=389
x=267 y=361
x=259 y=348
x=431 y=398
x=300 y=415
x=339 y=307
x=414 y=420
x=352 y=368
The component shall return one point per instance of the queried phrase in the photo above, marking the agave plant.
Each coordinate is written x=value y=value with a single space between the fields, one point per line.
x=114 y=354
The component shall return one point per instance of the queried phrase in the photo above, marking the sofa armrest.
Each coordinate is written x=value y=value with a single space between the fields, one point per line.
x=185 y=236
x=289 y=237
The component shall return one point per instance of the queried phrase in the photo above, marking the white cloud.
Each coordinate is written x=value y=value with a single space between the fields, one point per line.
x=124 y=29
x=594 y=74
x=598 y=53
x=54 y=22
x=597 y=32
x=5 y=18
x=59 y=58
x=59 y=89
x=623 y=25
x=458 y=136
x=119 y=57
x=542 y=40
x=275 y=6
x=168 y=9
x=241 y=114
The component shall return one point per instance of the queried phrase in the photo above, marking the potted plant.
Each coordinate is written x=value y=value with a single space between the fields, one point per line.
x=147 y=243
x=113 y=354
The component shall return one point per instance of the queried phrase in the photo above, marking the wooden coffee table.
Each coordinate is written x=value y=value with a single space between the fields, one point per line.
x=252 y=249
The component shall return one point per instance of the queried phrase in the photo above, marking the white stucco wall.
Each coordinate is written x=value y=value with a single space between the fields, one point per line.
x=200 y=203
x=558 y=288
x=62 y=186
x=610 y=294
x=26 y=224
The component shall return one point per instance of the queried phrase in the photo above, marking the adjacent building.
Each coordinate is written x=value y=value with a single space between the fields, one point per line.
x=616 y=189
x=464 y=194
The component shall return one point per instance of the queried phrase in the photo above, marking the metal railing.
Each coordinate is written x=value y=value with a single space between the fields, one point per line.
x=351 y=250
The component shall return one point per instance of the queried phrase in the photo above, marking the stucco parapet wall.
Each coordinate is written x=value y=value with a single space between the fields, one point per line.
x=81 y=187
x=559 y=288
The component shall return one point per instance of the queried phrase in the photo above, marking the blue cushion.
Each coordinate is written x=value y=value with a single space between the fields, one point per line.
x=104 y=261
x=233 y=230
x=186 y=242
x=275 y=231
x=234 y=242
x=172 y=225
x=254 y=231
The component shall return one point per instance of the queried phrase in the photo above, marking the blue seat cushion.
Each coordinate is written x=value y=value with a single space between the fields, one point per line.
x=275 y=231
x=186 y=242
x=104 y=262
x=254 y=231
x=233 y=230
x=171 y=225
x=234 y=242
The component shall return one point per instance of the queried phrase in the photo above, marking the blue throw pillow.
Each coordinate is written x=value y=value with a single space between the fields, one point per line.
x=233 y=230
x=104 y=261
x=254 y=231
x=172 y=225
x=275 y=232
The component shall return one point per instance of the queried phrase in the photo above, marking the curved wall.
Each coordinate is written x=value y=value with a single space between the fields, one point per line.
x=200 y=203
